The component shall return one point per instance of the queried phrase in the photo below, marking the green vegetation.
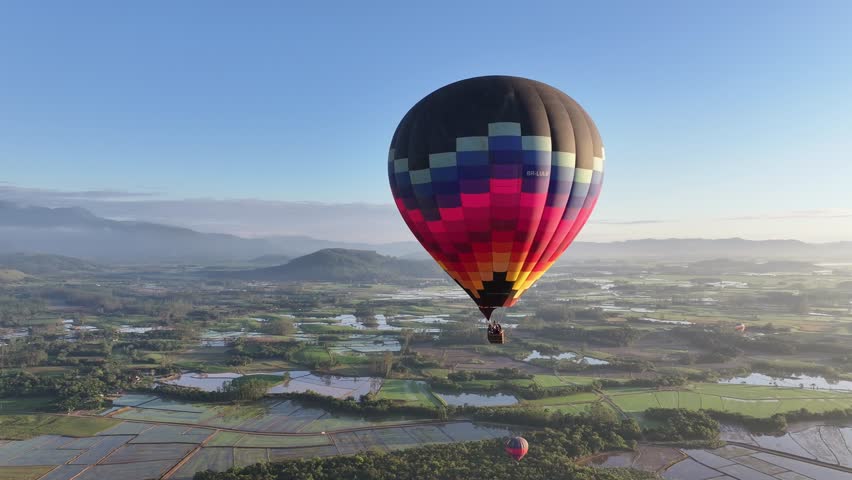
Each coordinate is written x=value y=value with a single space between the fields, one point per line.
x=23 y=473
x=552 y=458
x=18 y=427
x=408 y=392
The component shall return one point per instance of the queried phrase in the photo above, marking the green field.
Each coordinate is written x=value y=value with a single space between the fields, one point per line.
x=9 y=406
x=409 y=392
x=20 y=427
x=23 y=473
x=583 y=397
x=755 y=401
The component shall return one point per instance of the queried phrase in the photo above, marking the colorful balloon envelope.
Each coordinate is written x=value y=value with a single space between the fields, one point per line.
x=496 y=176
x=740 y=328
x=517 y=447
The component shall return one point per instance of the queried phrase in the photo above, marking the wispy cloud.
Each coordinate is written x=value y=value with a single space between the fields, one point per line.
x=13 y=192
x=797 y=214
x=628 y=222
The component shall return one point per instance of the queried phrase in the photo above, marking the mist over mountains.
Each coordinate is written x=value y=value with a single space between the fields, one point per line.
x=76 y=232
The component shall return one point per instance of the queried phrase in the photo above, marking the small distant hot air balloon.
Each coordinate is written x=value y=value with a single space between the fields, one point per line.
x=517 y=447
x=740 y=327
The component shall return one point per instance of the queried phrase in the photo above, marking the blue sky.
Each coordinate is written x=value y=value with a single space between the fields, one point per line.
x=708 y=110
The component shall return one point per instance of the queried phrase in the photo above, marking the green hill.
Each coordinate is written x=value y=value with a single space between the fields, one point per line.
x=41 y=264
x=343 y=265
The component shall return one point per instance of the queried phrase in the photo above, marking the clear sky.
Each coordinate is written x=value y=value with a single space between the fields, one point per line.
x=711 y=112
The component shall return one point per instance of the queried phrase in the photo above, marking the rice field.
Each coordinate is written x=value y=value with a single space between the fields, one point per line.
x=583 y=397
x=17 y=427
x=22 y=473
x=740 y=463
x=234 y=439
x=409 y=392
x=753 y=401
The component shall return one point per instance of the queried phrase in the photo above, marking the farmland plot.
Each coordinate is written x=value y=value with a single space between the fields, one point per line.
x=249 y=456
x=101 y=449
x=127 y=470
x=64 y=472
x=811 y=441
x=214 y=458
x=396 y=438
x=141 y=452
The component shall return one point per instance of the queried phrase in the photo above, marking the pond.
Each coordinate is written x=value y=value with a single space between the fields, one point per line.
x=727 y=283
x=478 y=399
x=431 y=319
x=535 y=355
x=433 y=294
x=381 y=323
x=668 y=322
x=367 y=344
x=209 y=382
x=613 y=308
x=800 y=381
x=300 y=381
x=212 y=338
x=339 y=387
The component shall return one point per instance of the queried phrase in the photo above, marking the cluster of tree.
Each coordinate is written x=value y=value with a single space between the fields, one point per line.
x=723 y=343
x=568 y=285
x=531 y=391
x=551 y=457
x=775 y=423
x=278 y=326
x=83 y=388
x=662 y=381
x=678 y=424
x=786 y=369
x=17 y=311
x=613 y=364
x=366 y=406
x=460 y=333
x=564 y=313
x=283 y=350
x=247 y=388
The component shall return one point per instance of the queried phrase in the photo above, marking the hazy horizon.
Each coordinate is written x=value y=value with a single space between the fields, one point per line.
x=250 y=218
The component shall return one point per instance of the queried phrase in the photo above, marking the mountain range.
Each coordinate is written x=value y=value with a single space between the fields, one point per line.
x=76 y=232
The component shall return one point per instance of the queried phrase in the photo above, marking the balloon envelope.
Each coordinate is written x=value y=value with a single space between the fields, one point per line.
x=496 y=176
x=517 y=447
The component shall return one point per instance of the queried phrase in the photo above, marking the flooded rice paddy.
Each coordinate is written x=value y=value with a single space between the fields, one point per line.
x=801 y=381
x=535 y=355
x=300 y=381
x=142 y=446
x=478 y=399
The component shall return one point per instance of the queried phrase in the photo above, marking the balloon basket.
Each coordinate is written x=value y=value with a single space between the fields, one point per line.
x=497 y=337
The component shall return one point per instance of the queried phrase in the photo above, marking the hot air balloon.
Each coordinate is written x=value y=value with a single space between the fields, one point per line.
x=517 y=447
x=740 y=327
x=496 y=176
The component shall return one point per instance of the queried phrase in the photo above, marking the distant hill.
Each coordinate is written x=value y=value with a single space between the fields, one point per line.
x=41 y=264
x=698 y=248
x=76 y=232
x=727 y=266
x=342 y=265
